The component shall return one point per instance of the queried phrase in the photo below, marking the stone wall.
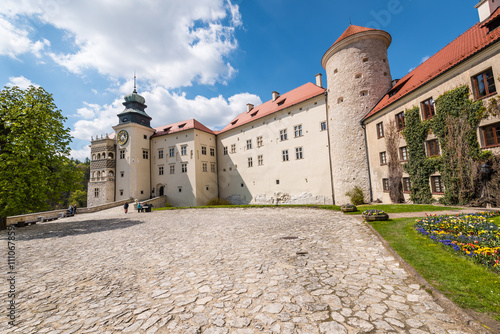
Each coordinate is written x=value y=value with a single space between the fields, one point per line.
x=358 y=75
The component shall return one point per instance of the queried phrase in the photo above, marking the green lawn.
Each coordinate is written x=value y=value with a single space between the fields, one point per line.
x=469 y=285
x=398 y=208
x=389 y=208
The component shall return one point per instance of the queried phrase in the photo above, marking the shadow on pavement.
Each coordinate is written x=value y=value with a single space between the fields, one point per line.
x=64 y=229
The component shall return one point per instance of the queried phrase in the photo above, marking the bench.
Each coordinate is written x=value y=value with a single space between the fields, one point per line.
x=48 y=219
x=26 y=223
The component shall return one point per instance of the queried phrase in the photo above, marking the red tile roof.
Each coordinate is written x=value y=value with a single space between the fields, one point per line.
x=293 y=97
x=352 y=30
x=181 y=126
x=468 y=44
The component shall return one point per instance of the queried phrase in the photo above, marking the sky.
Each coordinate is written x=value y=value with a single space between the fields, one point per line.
x=202 y=59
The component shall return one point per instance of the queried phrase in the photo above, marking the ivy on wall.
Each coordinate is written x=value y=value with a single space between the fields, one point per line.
x=419 y=166
x=454 y=124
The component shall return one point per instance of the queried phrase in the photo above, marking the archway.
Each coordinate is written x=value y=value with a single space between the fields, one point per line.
x=162 y=191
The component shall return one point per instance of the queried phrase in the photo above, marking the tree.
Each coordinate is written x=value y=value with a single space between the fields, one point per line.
x=392 y=140
x=35 y=169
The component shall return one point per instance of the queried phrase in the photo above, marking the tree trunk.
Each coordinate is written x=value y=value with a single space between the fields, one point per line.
x=3 y=223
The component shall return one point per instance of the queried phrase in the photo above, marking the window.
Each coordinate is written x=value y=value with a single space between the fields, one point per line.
x=121 y=192
x=484 y=84
x=385 y=185
x=403 y=153
x=298 y=130
x=249 y=144
x=491 y=135
x=184 y=167
x=171 y=152
x=406 y=184
x=250 y=162
x=122 y=154
x=180 y=189
x=160 y=154
x=283 y=135
x=184 y=150
x=323 y=126
x=260 y=160
x=145 y=154
x=212 y=167
x=204 y=167
x=383 y=158
x=172 y=169
x=204 y=150
x=233 y=148
x=225 y=150
x=400 y=121
x=145 y=137
x=285 y=155
x=437 y=185
x=122 y=174
x=428 y=109
x=212 y=152
x=260 y=141
x=160 y=170
x=433 y=148
x=380 y=130
x=96 y=192
x=298 y=153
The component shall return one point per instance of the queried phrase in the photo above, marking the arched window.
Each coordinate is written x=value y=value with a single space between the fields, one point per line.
x=103 y=173
x=104 y=155
x=111 y=174
x=94 y=157
x=98 y=156
x=111 y=156
x=98 y=174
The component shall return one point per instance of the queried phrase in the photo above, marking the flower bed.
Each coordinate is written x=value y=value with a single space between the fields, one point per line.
x=348 y=208
x=474 y=235
x=373 y=215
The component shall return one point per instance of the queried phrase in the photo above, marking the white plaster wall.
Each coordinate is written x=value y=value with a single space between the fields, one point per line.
x=186 y=182
x=306 y=180
x=136 y=170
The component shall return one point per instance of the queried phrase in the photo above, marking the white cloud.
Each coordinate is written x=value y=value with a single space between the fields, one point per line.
x=21 y=82
x=168 y=43
x=81 y=154
x=165 y=108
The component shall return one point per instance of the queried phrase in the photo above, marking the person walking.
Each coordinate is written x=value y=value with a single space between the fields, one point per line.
x=139 y=207
x=125 y=207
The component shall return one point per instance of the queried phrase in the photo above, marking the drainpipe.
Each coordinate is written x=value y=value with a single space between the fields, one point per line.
x=367 y=161
x=329 y=146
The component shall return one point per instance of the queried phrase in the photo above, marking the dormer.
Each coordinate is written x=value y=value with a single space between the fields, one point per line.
x=486 y=7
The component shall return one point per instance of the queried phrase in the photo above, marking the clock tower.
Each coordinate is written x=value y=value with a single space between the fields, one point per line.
x=133 y=150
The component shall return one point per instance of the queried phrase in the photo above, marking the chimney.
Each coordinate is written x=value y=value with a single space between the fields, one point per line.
x=319 y=80
x=249 y=107
x=486 y=8
x=276 y=94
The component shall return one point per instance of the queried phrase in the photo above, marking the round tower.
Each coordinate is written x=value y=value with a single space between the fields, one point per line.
x=358 y=75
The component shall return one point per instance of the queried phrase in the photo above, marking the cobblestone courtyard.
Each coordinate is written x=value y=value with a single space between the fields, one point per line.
x=215 y=271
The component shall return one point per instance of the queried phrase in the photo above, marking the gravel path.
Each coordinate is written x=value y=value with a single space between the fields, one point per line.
x=271 y=270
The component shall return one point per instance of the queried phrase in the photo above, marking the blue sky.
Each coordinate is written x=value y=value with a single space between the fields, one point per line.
x=203 y=59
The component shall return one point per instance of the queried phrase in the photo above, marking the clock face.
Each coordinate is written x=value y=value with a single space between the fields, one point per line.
x=122 y=137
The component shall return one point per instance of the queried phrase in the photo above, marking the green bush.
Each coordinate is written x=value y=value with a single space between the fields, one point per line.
x=168 y=205
x=356 y=195
x=218 y=201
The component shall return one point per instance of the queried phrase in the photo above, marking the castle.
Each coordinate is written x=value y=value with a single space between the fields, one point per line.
x=308 y=146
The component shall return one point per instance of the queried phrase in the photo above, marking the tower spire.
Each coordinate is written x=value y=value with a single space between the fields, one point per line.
x=135 y=83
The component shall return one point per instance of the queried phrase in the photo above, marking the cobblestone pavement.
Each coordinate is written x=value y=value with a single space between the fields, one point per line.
x=271 y=270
